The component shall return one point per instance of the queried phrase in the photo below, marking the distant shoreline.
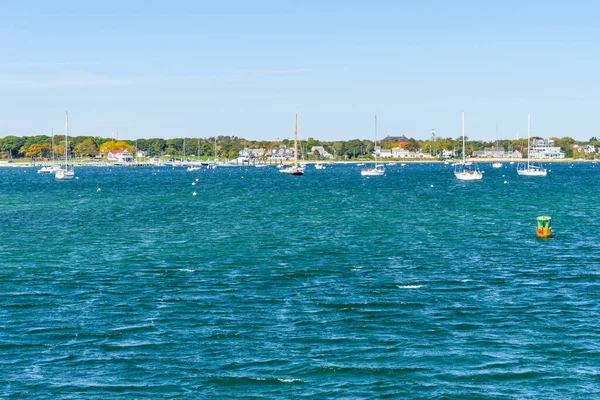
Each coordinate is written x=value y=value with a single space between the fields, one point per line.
x=19 y=164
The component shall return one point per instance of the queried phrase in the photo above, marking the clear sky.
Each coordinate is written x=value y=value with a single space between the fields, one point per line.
x=245 y=68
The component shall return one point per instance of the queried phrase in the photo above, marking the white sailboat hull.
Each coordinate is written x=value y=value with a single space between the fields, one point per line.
x=497 y=165
x=532 y=172
x=468 y=175
x=372 y=172
x=63 y=175
x=293 y=170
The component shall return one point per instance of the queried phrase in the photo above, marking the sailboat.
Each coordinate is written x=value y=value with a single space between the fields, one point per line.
x=295 y=169
x=195 y=166
x=66 y=173
x=466 y=171
x=377 y=169
x=497 y=164
x=530 y=169
x=50 y=169
x=213 y=165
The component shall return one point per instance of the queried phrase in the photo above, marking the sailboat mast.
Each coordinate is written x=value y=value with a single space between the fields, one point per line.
x=463 y=135
x=296 y=142
x=66 y=139
x=375 y=149
x=528 y=135
x=53 y=158
x=496 y=133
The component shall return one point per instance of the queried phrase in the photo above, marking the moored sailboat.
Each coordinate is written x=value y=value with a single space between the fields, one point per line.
x=466 y=171
x=294 y=169
x=66 y=173
x=530 y=169
x=377 y=169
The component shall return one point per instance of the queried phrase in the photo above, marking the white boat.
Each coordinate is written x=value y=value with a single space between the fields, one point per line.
x=377 y=169
x=319 y=166
x=497 y=164
x=213 y=165
x=464 y=171
x=530 y=169
x=391 y=164
x=294 y=169
x=194 y=165
x=66 y=173
x=50 y=169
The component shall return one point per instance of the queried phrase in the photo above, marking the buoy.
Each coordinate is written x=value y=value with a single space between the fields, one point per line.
x=193 y=183
x=543 y=227
x=193 y=194
x=196 y=179
x=430 y=185
x=505 y=181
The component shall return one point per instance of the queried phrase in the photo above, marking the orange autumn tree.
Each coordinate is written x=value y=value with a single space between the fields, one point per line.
x=118 y=145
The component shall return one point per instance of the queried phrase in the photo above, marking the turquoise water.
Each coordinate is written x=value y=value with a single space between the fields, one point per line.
x=329 y=285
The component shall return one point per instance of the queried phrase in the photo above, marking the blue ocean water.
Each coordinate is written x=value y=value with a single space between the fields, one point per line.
x=329 y=285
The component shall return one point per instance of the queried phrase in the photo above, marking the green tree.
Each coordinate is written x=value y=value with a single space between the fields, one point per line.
x=87 y=147
x=10 y=145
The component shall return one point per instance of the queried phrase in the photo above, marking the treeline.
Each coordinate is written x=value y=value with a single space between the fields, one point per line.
x=40 y=146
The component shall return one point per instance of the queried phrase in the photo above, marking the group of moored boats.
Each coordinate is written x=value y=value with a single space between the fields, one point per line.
x=470 y=171
x=65 y=172
x=463 y=171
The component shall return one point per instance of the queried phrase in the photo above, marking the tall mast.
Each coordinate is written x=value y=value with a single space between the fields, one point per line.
x=528 y=134
x=375 y=149
x=463 y=135
x=296 y=142
x=66 y=140
x=496 y=155
x=53 y=161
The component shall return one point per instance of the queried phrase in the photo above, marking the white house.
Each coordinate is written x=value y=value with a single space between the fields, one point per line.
x=322 y=152
x=120 y=156
x=545 y=149
x=398 y=152
x=280 y=153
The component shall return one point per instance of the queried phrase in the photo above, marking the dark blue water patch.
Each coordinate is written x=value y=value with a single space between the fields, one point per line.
x=328 y=285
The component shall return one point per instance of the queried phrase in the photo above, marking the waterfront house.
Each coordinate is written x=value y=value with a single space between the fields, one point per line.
x=119 y=156
x=280 y=153
x=544 y=148
x=322 y=152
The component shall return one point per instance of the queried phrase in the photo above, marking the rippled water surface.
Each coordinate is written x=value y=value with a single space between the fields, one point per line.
x=328 y=285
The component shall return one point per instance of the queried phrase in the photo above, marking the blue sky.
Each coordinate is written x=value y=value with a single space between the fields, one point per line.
x=245 y=68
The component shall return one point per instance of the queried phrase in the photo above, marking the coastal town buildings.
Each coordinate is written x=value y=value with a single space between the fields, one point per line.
x=497 y=152
x=545 y=149
x=322 y=152
x=399 y=152
x=119 y=156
